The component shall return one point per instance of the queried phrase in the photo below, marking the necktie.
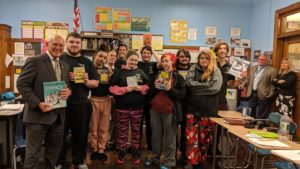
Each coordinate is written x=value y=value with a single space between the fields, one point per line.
x=57 y=69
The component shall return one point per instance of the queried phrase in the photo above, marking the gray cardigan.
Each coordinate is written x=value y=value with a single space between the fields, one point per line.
x=211 y=87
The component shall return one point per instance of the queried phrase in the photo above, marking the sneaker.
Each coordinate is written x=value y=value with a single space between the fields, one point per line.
x=136 y=157
x=152 y=163
x=95 y=156
x=58 y=166
x=121 y=157
x=102 y=157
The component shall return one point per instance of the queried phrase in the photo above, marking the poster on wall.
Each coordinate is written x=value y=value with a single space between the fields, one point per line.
x=192 y=34
x=211 y=31
x=59 y=28
x=179 y=31
x=140 y=24
x=210 y=40
x=103 y=18
x=122 y=19
x=236 y=32
x=157 y=42
x=235 y=41
x=245 y=43
x=136 y=41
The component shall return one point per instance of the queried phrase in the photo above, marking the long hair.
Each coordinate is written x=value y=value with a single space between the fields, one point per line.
x=208 y=72
x=289 y=63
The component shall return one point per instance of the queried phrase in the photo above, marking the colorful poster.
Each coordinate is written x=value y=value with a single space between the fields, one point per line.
x=140 y=24
x=27 y=29
x=178 y=31
x=192 y=33
x=103 y=18
x=157 y=42
x=147 y=39
x=122 y=19
x=137 y=41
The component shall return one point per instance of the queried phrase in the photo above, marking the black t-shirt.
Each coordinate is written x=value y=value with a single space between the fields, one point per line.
x=103 y=87
x=150 y=69
x=132 y=99
x=119 y=63
x=79 y=91
x=226 y=77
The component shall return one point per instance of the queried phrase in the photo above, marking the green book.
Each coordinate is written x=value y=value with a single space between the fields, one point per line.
x=51 y=94
x=264 y=134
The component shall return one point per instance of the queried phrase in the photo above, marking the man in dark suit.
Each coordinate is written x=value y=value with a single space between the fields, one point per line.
x=43 y=123
x=260 y=89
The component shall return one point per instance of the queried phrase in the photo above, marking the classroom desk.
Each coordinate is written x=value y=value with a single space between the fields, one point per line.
x=233 y=114
x=279 y=154
x=240 y=134
x=224 y=127
x=7 y=116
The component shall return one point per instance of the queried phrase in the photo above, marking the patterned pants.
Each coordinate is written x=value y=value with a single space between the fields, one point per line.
x=198 y=138
x=124 y=116
x=285 y=104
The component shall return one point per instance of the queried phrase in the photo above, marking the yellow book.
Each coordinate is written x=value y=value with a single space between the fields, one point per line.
x=79 y=74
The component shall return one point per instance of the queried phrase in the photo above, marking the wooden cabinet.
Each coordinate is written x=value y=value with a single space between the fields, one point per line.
x=5 y=48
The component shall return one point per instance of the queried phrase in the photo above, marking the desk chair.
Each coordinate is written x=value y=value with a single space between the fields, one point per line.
x=19 y=147
x=273 y=121
x=285 y=165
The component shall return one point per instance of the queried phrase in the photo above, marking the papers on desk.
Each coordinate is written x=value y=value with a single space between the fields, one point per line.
x=293 y=155
x=268 y=142
x=16 y=107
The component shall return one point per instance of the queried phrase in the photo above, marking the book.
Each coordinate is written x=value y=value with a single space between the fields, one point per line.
x=79 y=74
x=238 y=66
x=164 y=79
x=103 y=76
x=51 y=94
x=264 y=134
x=132 y=81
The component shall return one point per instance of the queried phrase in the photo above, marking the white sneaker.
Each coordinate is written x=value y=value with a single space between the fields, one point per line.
x=83 y=166
x=58 y=166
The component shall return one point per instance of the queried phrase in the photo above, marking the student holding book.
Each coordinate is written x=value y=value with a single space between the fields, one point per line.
x=101 y=101
x=150 y=69
x=129 y=86
x=79 y=110
x=221 y=50
x=44 y=124
x=166 y=112
x=204 y=81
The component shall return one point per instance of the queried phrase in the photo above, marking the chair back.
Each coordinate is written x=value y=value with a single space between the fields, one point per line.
x=293 y=128
x=274 y=119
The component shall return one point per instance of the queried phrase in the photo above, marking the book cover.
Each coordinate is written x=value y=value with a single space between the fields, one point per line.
x=103 y=76
x=79 y=74
x=164 y=79
x=132 y=81
x=238 y=66
x=51 y=94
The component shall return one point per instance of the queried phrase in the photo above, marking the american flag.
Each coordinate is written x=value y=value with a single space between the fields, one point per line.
x=76 y=15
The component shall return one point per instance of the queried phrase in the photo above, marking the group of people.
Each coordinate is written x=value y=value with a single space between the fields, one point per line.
x=129 y=90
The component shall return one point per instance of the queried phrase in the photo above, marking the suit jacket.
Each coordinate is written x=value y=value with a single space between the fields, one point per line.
x=265 y=88
x=39 y=69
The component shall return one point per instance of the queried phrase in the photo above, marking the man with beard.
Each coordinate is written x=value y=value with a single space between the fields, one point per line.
x=79 y=108
x=182 y=66
x=221 y=50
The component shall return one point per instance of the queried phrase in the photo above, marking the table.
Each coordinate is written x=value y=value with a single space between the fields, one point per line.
x=7 y=116
x=240 y=134
x=224 y=126
x=281 y=154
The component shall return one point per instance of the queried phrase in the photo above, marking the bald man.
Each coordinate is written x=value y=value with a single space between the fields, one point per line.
x=43 y=123
x=260 y=89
